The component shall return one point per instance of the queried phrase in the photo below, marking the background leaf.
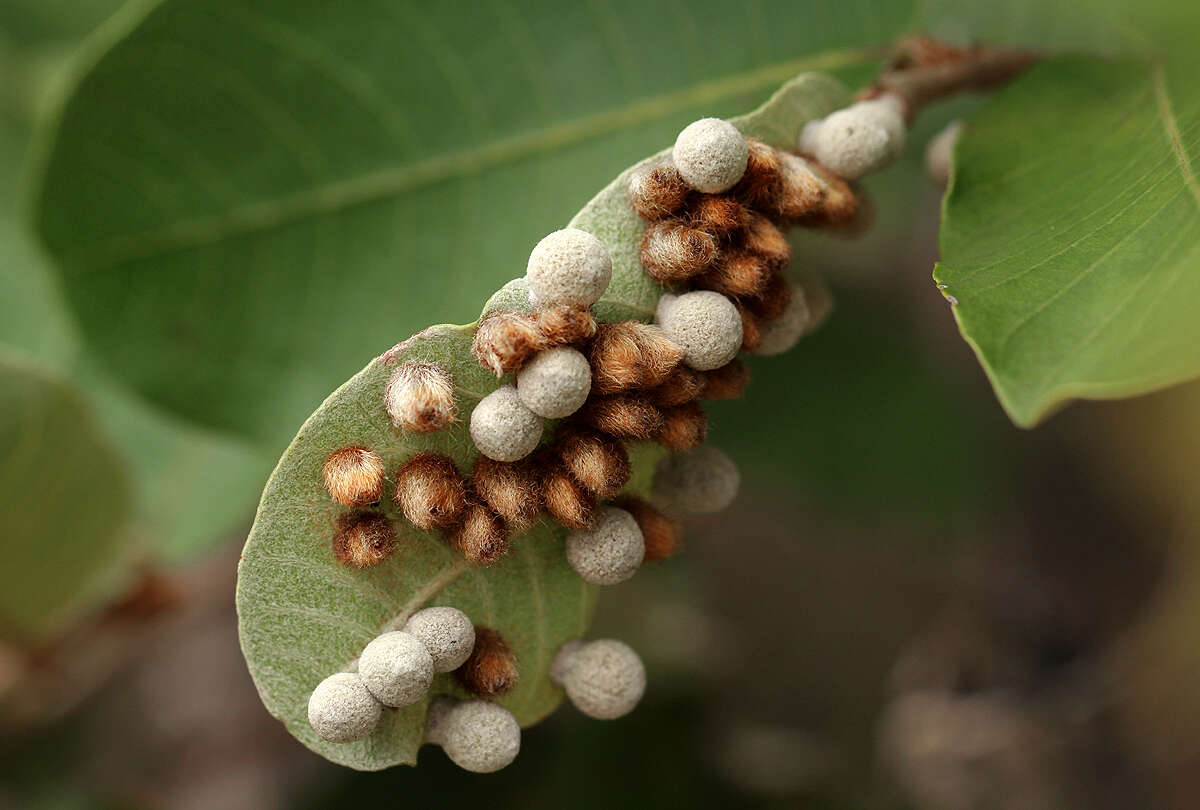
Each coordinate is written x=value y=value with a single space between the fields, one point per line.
x=177 y=510
x=1071 y=236
x=47 y=574
x=303 y=615
x=282 y=188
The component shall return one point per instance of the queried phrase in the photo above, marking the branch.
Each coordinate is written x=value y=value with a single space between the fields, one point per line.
x=924 y=70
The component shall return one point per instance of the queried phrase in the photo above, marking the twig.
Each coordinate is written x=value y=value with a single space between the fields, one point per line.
x=924 y=70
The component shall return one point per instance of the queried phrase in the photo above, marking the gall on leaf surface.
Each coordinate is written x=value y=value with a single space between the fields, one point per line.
x=303 y=616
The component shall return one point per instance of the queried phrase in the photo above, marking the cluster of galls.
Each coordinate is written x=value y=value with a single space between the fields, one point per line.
x=714 y=214
x=603 y=678
x=397 y=669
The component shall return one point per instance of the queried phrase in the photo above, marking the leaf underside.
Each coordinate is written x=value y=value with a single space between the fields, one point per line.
x=303 y=616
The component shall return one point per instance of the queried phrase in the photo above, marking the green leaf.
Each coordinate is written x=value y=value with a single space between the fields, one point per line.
x=245 y=197
x=62 y=522
x=177 y=512
x=303 y=615
x=1071 y=235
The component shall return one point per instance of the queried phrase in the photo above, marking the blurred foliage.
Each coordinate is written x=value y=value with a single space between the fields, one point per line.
x=53 y=454
x=189 y=485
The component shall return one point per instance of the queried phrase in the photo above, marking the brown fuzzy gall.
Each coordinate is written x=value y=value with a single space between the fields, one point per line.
x=738 y=274
x=774 y=299
x=419 y=397
x=623 y=416
x=727 y=382
x=616 y=358
x=354 y=475
x=751 y=331
x=684 y=385
x=672 y=251
x=630 y=355
x=717 y=215
x=662 y=535
x=565 y=498
x=684 y=427
x=492 y=668
x=430 y=491
x=803 y=190
x=505 y=340
x=598 y=462
x=839 y=204
x=658 y=192
x=764 y=239
x=510 y=489
x=480 y=537
x=561 y=324
x=761 y=185
x=363 y=539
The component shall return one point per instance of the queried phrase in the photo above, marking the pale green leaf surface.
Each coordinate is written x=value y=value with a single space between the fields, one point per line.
x=52 y=453
x=303 y=616
x=245 y=197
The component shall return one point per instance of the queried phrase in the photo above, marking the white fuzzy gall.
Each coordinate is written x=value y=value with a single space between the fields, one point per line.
x=341 y=709
x=609 y=552
x=860 y=139
x=698 y=481
x=503 y=428
x=706 y=325
x=397 y=668
x=478 y=736
x=939 y=154
x=604 y=679
x=555 y=383
x=782 y=333
x=447 y=634
x=711 y=155
x=568 y=267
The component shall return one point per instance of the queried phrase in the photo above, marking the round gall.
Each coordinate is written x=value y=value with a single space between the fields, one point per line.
x=711 y=155
x=503 y=428
x=342 y=710
x=555 y=383
x=568 y=267
x=705 y=324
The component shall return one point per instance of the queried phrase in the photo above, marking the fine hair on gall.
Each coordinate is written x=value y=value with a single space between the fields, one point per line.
x=505 y=340
x=430 y=491
x=363 y=539
x=491 y=669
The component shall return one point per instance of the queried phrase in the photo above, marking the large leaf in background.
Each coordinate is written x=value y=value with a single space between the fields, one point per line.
x=177 y=509
x=62 y=523
x=245 y=197
x=1071 y=237
x=177 y=512
x=302 y=615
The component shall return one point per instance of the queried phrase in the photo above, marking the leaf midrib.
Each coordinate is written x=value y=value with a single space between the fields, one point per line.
x=340 y=195
x=1166 y=115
